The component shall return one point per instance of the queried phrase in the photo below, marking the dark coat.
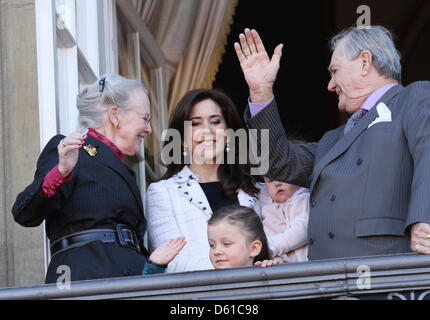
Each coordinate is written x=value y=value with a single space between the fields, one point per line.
x=102 y=193
x=368 y=186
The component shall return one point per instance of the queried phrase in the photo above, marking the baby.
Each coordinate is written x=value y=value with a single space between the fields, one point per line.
x=236 y=238
x=285 y=221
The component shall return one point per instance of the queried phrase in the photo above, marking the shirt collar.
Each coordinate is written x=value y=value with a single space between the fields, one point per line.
x=376 y=95
x=97 y=135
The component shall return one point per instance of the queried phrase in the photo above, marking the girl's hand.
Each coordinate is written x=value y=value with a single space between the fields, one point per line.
x=167 y=251
x=265 y=263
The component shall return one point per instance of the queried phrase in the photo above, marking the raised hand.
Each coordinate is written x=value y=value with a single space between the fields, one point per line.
x=259 y=70
x=167 y=251
x=68 y=152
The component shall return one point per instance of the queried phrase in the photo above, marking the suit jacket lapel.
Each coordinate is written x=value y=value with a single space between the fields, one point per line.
x=106 y=156
x=345 y=141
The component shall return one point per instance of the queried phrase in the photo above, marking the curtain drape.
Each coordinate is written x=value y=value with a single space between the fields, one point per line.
x=192 y=35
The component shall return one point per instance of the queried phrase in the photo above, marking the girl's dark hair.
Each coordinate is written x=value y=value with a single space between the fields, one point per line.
x=250 y=222
x=232 y=176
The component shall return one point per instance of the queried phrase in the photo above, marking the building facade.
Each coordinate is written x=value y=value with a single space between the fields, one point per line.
x=50 y=50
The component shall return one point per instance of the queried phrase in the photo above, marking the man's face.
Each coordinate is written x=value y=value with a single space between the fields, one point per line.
x=347 y=81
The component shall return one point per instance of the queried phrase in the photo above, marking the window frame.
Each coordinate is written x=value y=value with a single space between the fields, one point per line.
x=76 y=44
x=68 y=61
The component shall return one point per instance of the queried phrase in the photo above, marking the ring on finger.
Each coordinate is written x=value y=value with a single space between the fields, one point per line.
x=428 y=236
x=63 y=143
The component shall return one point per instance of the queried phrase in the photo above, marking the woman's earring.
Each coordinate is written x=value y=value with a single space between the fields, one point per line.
x=185 y=152
x=227 y=147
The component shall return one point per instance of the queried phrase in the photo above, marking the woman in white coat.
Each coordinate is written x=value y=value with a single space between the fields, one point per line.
x=181 y=203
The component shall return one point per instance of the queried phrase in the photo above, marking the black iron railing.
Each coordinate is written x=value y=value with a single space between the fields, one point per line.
x=394 y=277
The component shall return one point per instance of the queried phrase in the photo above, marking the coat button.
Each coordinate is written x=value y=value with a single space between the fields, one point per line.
x=359 y=161
x=333 y=197
x=331 y=235
x=311 y=241
x=313 y=204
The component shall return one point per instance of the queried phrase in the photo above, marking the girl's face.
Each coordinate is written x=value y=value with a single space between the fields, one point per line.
x=229 y=246
x=207 y=136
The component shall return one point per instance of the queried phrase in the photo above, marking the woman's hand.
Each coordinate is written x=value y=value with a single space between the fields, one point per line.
x=68 y=151
x=265 y=263
x=167 y=251
x=260 y=72
x=420 y=237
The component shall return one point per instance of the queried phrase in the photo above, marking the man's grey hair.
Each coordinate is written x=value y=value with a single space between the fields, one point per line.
x=378 y=41
x=93 y=101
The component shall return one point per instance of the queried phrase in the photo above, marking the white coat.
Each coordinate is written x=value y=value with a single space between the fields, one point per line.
x=178 y=207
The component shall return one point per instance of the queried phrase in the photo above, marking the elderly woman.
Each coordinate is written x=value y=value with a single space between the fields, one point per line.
x=88 y=196
x=182 y=202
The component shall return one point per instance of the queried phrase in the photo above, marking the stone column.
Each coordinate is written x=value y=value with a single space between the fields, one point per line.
x=21 y=249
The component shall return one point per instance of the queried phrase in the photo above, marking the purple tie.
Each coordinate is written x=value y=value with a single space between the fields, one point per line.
x=354 y=119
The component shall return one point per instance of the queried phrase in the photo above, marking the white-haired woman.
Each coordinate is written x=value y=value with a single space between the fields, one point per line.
x=88 y=196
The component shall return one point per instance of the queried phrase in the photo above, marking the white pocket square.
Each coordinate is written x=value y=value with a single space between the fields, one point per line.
x=384 y=114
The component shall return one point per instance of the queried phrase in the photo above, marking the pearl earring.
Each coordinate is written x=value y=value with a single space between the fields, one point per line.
x=185 y=152
x=227 y=147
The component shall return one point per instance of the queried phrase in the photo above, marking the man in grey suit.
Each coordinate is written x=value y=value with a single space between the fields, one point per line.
x=369 y=179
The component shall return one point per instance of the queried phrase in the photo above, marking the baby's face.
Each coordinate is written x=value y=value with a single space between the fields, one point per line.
x=280 y=191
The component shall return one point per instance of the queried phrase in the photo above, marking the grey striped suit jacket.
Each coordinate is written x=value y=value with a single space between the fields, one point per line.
x=368 y=186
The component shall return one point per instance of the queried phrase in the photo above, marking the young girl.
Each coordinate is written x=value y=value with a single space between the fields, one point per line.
x=285 y=221
x=236 y=238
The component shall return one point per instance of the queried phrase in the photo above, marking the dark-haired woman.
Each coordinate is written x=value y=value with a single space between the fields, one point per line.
x=182 y=202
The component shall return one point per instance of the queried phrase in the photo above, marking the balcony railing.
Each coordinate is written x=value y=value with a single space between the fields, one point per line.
x=393 y=276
